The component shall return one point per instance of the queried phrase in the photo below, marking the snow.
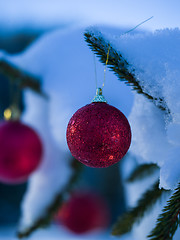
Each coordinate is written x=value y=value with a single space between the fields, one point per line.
x=169 y=174
x=173 y=133
x=54 y=172
x=148 y=132
x=155 y=59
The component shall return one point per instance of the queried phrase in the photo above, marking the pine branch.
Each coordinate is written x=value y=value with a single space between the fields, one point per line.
x=22 y=78
x=118 y=64
x=142 y=171
x=127 y=220
x=58 y=201
x=168 y=220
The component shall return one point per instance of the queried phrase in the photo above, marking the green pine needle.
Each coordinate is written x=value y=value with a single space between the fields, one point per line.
x=45 y=220
x=142 y=171
x=22 y=78
x=118 y=64
x=147 y=201
x=168 y=220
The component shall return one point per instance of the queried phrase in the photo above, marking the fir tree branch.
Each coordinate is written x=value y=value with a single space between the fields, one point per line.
x=145 y=203
x=142 y=171
x=118 y=64
x=168 y=220
x=24 y=79
x=45 y=220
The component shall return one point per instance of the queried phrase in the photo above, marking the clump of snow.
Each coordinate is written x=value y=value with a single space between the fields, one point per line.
x=173 y=133
x=54 y=172
x=170 y=170
x=155 y=59
x=148 y=132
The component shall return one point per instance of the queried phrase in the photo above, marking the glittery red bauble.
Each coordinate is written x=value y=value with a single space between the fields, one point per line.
x=20 y=151
x=84 y=212
x=98 y=135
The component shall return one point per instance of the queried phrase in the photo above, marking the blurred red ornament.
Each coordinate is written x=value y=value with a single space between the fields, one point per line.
x=98 y=135
x=20 y=151
x=84 y=212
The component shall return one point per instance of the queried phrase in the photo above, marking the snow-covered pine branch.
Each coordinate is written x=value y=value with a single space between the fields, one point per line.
x=119 y=65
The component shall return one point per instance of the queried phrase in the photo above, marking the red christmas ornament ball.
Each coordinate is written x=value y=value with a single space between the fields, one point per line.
x=98 y=135
x=84 y=212
x=20 y=151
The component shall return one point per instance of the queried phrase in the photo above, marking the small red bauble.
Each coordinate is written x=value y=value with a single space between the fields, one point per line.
x=98 y=135
x=84 y=212
x=20 y=151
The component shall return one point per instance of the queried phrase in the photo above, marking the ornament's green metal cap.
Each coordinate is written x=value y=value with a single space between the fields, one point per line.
x=99 y=97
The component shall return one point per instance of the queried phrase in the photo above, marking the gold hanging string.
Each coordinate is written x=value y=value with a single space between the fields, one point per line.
x=107 y=59
x=95 y=69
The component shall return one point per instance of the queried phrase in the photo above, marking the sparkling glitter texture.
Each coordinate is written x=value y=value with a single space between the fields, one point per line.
x=20 y=151
x=98 y=135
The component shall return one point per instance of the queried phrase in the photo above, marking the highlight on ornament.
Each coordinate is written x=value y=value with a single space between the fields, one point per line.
x=98 y=134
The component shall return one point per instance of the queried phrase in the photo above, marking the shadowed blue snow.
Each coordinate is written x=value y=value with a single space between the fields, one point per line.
x=155 y=58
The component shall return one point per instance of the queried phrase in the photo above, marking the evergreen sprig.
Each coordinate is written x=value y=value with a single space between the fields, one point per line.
x=118 y=64
x=46 y=219
x=169 y=219
x=24 y=79
x=142 y=171
x=135 y=214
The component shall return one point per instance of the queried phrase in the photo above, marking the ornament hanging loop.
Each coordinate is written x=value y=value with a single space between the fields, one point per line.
x=107 y=59
x=99 y=97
